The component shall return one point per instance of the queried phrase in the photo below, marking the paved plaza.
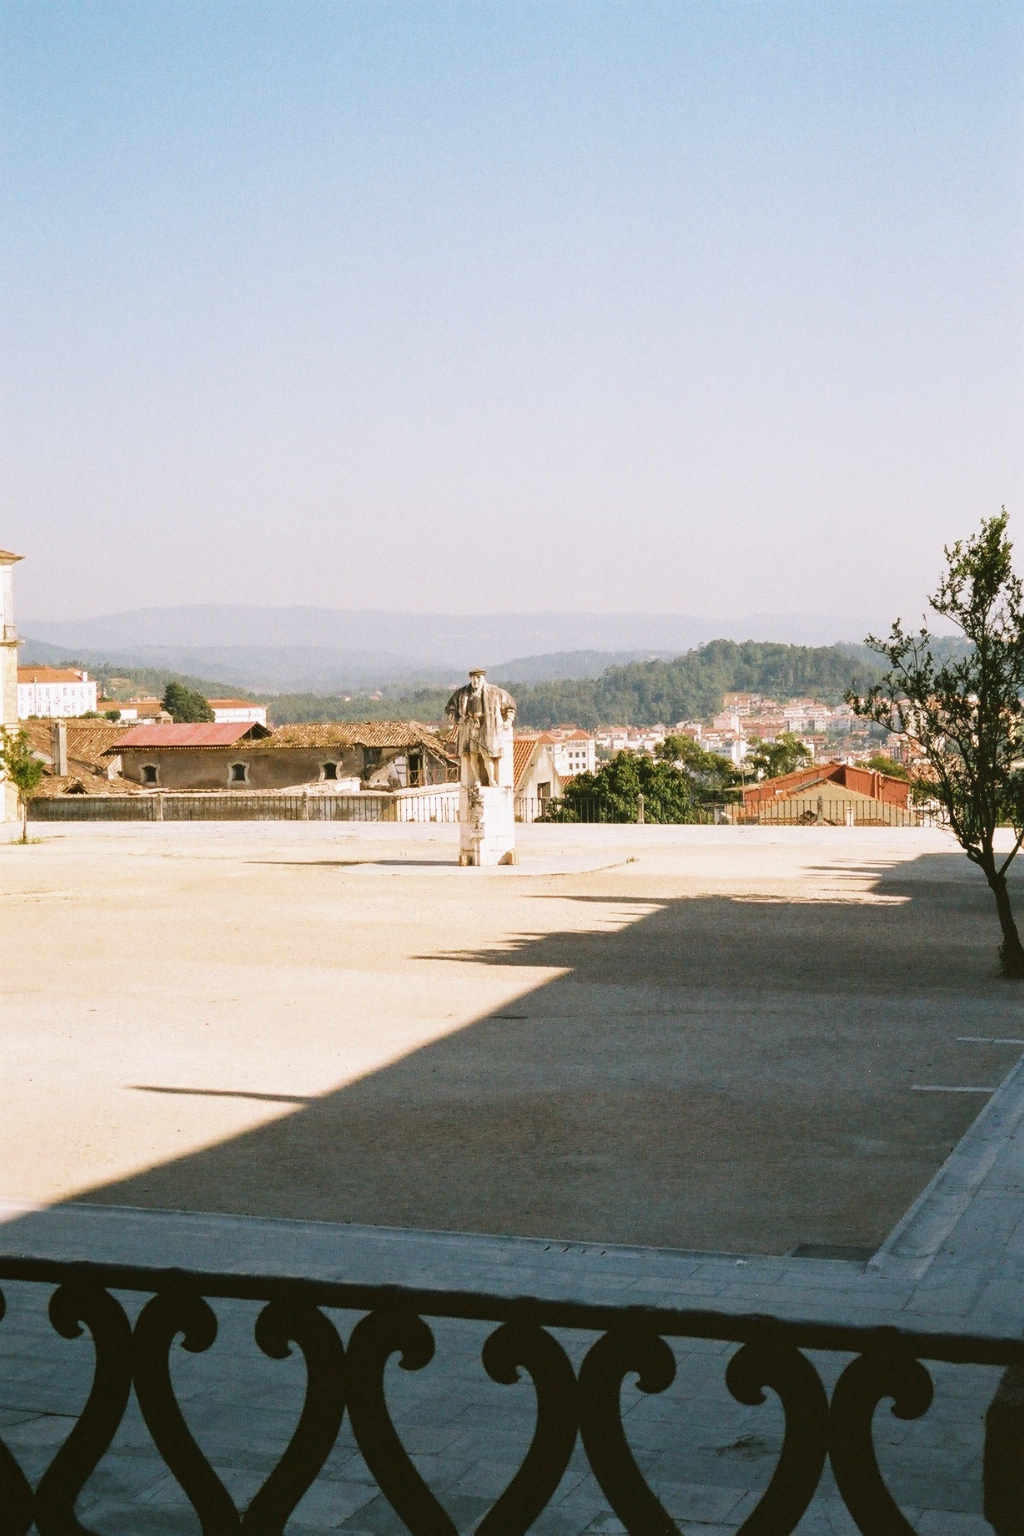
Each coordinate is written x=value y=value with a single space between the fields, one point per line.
x=668 y=1065
x=702 y=1038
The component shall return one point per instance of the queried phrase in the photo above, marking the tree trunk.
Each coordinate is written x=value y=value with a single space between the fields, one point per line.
x=24 y=819
x=1011 y=951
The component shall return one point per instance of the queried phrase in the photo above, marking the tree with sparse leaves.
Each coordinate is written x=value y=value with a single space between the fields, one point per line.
x=771 y=759
x=19 y=763
x=965 y=714
x=184 y=706
x=882 y=763
x=712 y=776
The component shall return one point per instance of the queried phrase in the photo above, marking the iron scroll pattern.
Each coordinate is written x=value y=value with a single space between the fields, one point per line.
x=573 y=1405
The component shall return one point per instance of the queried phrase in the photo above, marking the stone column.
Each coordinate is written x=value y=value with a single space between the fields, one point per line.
x=59 y=748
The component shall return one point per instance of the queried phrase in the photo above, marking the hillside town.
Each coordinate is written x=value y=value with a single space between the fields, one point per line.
x=91 y=745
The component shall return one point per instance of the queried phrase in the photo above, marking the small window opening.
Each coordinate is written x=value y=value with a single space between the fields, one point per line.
x=150 y=773
x=239 y=773
x=415 y=769
x=330 y=770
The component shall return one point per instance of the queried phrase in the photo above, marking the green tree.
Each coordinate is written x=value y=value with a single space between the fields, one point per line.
x=880 y=763
x=19 y=763
x=711 y=775
x=613 y=792
x=184 y=706
x=771 y=759
x=966 y=713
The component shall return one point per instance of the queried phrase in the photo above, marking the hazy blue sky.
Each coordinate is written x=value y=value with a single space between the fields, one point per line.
x=699 y=307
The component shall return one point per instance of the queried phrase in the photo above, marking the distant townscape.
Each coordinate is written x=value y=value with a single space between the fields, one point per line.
x=666 y=738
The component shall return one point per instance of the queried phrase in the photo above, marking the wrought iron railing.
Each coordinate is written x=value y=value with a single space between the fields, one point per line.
x=345 y=1362
x=441 y=804
x=813 y=809
x=806 y=811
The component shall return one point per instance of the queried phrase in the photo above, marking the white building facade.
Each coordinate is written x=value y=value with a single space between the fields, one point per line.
x=236 y=711
x=54 y=693
x=574 y=752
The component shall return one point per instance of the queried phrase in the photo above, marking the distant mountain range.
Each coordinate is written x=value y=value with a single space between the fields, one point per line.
x=325 y=650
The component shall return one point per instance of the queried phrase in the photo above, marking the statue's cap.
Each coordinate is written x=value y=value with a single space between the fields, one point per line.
x=478 y=671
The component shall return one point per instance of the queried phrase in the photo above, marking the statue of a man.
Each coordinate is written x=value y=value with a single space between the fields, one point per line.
x=482 y=714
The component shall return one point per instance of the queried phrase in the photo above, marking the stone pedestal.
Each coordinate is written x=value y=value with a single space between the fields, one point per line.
x=487 y=817
x=487 y=825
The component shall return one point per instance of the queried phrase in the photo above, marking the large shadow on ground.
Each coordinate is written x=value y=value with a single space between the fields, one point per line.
x=721 y=1073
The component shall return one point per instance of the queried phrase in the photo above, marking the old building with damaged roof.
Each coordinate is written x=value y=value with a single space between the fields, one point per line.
x=378 y=754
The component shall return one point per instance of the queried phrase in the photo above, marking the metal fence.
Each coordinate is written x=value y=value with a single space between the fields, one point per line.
x=442 y=805
x=821 y=811
x=805 y=812
x=248 y=805
x=583 y=808
x=348 y=1334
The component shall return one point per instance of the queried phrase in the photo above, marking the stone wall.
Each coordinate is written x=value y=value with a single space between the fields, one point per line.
x=266 y=768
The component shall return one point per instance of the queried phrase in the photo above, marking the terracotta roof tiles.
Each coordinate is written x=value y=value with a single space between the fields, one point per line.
x=369 y=733
x=51 y=675
x=522 y=752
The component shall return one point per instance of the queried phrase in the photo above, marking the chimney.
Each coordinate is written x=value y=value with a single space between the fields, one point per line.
x=59 y=748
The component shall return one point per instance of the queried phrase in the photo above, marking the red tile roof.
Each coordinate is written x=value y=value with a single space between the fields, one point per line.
x=202 y=734
x=50 y=675
x=859 y=781
x=522 y=752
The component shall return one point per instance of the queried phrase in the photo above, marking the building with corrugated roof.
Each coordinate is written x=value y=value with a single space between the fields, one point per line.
x=377 y=754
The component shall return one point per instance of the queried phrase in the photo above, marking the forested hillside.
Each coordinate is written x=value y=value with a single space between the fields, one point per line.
x=643 y=693
x=690 y=687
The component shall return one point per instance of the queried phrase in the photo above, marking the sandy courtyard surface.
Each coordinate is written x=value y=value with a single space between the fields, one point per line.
x=709 y=1038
